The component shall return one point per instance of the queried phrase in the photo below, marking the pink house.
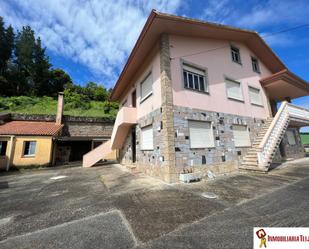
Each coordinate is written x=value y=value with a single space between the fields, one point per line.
x=198 y=96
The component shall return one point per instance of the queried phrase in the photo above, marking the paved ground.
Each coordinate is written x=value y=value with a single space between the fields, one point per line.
x=106 y=207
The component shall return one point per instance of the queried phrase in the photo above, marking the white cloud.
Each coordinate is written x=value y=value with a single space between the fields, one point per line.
x=96 y=33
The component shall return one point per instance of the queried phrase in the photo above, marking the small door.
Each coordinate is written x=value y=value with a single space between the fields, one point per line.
x=134 y=99
x=133 y=144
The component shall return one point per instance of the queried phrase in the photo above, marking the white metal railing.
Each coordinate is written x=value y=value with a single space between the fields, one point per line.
x=277 y=128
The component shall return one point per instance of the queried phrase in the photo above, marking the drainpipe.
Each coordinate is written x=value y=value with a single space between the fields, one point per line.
x=11 y=153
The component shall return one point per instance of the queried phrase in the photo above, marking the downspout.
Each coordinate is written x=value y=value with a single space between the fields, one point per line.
x=11 y=152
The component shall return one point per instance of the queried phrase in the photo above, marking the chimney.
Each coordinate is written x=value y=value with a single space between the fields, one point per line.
x=60 y=108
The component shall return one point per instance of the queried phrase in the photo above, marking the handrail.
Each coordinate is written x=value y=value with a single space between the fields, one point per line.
x=276 y=129
x=272 y=125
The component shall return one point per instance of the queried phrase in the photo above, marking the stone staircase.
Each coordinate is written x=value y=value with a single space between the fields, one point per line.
x=250 y=160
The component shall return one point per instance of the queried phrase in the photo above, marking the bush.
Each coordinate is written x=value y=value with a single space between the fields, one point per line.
x=74 y=100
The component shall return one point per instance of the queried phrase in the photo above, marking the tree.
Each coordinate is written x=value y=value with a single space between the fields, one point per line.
x=41 y=71
x=6 y=45
x=24 y=54
x=59 y=80
x=95 y=92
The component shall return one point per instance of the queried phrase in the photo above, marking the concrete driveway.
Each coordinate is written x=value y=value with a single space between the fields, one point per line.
x=106 y=207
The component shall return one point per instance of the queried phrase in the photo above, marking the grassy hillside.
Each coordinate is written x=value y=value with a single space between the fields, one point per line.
x=48 y=105
x=305 y=138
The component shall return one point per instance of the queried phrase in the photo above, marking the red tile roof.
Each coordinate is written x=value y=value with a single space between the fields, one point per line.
x=30 y=128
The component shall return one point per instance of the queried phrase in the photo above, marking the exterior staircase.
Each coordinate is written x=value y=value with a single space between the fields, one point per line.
x=262 y=152
x=250 y=160
x=126 y=117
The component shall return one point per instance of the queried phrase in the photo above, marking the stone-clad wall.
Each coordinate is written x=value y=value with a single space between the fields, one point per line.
x=87 y=129
x=151 y=161
x=291 y=151
x=225 y=152
x=294 y=151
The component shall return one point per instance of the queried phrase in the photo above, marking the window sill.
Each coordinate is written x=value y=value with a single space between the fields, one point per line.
x=257 y=105
x=28 y=156
x=203 y=148
x=238 y=100
x=243 y=146
x=147 y=149
x=196 y=91
x=145 y=98
x=239 y=63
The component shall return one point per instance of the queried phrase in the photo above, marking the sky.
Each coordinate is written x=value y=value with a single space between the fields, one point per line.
x=91 y=39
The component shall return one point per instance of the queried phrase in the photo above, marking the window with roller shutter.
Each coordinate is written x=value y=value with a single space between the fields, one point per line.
x=147 y=138
x=201 y=134
x=255 y=96
x=146 y=87
x=233 y=89
x=291 y=137
x=241 y=136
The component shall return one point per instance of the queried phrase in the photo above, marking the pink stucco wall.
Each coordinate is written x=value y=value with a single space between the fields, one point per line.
x=152 y=64
x=219 y=64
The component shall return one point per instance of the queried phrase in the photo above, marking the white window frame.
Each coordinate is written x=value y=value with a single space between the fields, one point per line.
x=291 y=137
x=197 y=71
x=236 y=143
x=147 y=95
x=229 y=80
x=233 y=48
x=149 y=129
x=255 y=61
x=31 y=143
x=205 y=137
x=260 y=95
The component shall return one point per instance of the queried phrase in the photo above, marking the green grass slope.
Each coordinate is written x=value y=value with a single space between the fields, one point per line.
x=48 y=105
x=305 y=138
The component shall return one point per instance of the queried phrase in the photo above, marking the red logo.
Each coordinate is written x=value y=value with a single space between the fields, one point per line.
x=261 y=233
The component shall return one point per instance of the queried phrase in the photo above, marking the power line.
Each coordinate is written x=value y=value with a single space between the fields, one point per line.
x=285 y=30
x=263 y=36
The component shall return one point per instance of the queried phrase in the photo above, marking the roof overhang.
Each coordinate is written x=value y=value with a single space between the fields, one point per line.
x=159 y=23
x=283 y=85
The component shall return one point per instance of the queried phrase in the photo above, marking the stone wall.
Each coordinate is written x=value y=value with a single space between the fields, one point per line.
x=147 y=161
x=90 y=127
x=224 y=155
x=293 y=151
x=87 y=129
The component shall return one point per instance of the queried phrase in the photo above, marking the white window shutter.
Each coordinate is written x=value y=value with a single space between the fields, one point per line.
x=201 y=134
x=234 y=89
x=291 y=137
x=146 y=87
x=255 y=96
x=147 y=138
x=241 y=136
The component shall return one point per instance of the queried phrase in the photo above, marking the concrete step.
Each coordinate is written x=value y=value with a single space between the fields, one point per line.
x=254 y=168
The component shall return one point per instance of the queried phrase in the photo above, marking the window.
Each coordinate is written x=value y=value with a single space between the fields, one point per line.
x=233 y=89
x=3 y=145
x=194 y=78
x=291 y=137
x=147 y=138
x=235 y=54
x=29 y=148
x=201 y=134
x=146 y=87
x=255 y=65
x=241 y=136
x=255 y=96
